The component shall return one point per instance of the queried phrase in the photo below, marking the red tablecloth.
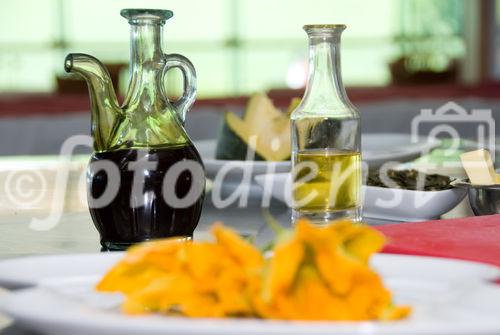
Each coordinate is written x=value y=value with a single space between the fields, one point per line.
x=473 y=238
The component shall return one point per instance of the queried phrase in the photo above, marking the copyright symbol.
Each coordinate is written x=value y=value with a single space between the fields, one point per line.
x=25 y=189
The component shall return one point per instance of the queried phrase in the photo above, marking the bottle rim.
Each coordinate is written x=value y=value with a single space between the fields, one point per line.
x=324 y=28
x=138 y=14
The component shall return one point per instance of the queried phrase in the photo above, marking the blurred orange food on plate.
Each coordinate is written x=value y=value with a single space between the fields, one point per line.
x=315 y=273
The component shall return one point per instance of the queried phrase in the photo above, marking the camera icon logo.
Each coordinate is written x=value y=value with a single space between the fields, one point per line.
x=454 y=122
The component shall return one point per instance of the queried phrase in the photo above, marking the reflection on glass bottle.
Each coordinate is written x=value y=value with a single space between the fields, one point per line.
x=326 y=137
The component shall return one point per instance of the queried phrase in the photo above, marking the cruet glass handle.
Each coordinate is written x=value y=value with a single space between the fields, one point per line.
x=185 y=102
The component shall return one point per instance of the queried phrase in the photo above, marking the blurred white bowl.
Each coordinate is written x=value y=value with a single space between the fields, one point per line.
x=378 y=202
x=377 y=149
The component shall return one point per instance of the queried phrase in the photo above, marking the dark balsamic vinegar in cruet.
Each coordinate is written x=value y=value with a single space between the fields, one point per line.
x=129 y=219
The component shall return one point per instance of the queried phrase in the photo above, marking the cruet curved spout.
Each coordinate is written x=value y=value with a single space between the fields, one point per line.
x=104 y=105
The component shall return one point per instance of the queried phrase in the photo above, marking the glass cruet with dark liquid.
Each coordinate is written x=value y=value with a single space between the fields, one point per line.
x=145 y=178
x=326 y=137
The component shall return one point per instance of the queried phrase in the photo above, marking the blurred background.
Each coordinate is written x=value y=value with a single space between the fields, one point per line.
x=398 y=56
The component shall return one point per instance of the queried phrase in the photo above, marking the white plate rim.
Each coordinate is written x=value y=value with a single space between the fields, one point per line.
x=8 y=279
x=12 y=281
x=421 y=146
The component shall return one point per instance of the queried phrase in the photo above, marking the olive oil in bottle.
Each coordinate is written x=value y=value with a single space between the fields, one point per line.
x=334 y=186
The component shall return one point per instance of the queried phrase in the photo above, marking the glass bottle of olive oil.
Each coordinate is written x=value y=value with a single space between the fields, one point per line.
x=326 y=137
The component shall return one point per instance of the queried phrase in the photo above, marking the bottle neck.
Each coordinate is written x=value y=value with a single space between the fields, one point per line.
x=325 y=80
x=145 y=44
x=146 y=61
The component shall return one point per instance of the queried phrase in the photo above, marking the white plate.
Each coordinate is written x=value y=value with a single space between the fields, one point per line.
x=25 y=272
x=377 y=149
x=379 y=202
x=29 y=271
x=446 y=296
